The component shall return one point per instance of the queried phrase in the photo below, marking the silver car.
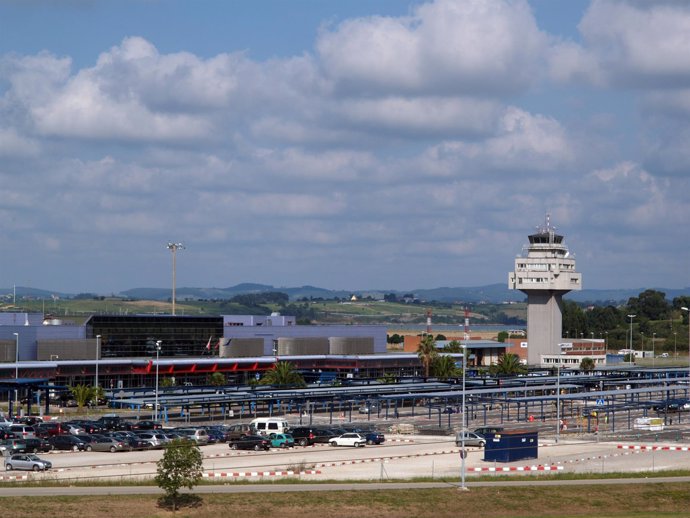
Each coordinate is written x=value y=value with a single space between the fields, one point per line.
x=471 y=439
x=27 y=461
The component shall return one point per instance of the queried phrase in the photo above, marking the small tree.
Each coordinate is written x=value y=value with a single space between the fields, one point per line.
x=180 y=466
x=587 y=364
x=82 y=394
x=217 y=379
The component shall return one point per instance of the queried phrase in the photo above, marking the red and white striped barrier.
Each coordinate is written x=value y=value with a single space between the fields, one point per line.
x=643 y=447
x=502 y=469
x=245 y=474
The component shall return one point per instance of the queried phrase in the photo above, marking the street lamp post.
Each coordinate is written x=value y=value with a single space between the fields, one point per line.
x=98 y=357
x=174 y=247
x=463 y=428
x=632 y=351
x=688 y=310
x=675 y=342
x=653 y=350
x=16 y=370
x=155 y=406
x=558 y=400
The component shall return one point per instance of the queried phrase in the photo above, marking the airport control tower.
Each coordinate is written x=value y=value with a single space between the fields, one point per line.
x=545 y=273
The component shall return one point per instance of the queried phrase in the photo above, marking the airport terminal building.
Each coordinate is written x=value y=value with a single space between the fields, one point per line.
x=122 y=349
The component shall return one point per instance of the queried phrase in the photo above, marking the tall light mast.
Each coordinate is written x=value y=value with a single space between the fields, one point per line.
x=174 y=247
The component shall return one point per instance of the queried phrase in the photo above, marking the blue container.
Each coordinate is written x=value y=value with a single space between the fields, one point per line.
x=511 y=446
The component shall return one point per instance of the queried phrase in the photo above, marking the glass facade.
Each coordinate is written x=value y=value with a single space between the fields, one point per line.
x=136 y=336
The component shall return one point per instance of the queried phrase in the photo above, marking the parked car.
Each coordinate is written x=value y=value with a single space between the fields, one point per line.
x=155 y=439
x=281 y=440
x=146 y=425
x=27 y=461
x=348 y=439
x=268 y=425
x=31 y=420
x=374 y=437
x=369 y=408
x=5 y=433
x=36 y=444
x=10 y=446
x=308 y=435
x=198 y=435
x=103 y=443
x=483 y=430
x=73 y=429
x=113 y=422
x=471 y=439
x=236 y=431
x=23 y=431
x=216 y=434
x=87 y=426
x=67 y=442
x=133 y=441
x=250 y=442
x=49 y=428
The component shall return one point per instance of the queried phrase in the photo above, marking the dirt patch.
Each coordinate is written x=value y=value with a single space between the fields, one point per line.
x=648 y=500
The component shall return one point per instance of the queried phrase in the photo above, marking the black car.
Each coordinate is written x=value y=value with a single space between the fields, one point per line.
x=308 y=435
x=36 y=444
x=67 y=442
x=374 y=437
x=5 y=434
x=251 y=442
x=146 y=425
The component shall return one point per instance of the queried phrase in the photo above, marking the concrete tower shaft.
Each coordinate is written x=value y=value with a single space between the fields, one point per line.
x=545 y=271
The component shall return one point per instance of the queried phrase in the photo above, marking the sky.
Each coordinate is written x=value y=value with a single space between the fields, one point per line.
x=367 y=144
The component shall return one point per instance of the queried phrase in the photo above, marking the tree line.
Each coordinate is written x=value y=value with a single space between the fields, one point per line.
x=654 y=316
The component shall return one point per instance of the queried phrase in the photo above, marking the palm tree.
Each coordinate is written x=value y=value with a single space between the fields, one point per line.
x=444 y=367
x=587 y=364
x=508 y=365
x=82 y=394
x=283 y=374
x=427 y=352
x=452 y=347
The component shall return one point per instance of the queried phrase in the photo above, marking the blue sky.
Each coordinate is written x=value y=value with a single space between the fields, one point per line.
x=349 y=145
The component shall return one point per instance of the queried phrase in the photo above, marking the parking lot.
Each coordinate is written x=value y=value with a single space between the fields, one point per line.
x=400 y=457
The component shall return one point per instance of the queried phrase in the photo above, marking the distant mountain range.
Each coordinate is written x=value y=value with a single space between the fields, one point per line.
x=492 y=293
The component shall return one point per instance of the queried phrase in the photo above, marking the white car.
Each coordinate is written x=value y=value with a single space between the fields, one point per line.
x=348 y=439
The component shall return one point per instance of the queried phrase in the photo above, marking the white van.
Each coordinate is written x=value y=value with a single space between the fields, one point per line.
x=268 y=425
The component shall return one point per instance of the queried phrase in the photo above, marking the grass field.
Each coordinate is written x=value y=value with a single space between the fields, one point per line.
x=637 y=501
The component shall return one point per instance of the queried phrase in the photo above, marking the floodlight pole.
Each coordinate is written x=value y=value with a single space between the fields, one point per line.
x=16 y=371
x=174 y=247
x=688 y=310
x=158 y=350
x=558 y=400
x=98 y=357
x=463 y=428
x=632 y=351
